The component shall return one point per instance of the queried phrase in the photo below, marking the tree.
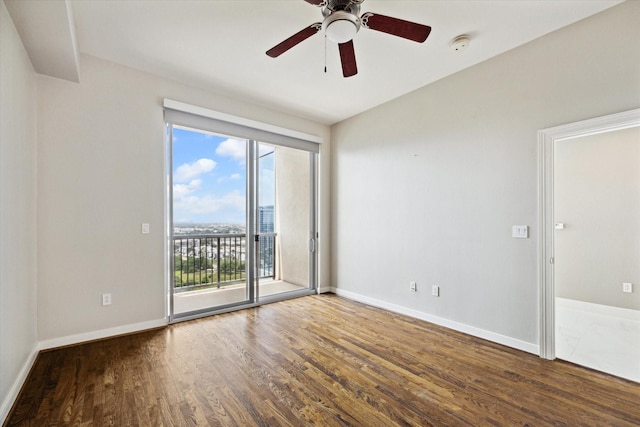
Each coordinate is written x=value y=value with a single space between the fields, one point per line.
x=231 y=266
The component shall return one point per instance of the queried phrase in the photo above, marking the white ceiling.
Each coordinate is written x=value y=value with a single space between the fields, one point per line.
x=220 y=46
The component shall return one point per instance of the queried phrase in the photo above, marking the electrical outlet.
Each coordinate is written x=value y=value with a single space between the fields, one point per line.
x=413 y=287
x=627 y=288
x=106 y=299
x=435 y=290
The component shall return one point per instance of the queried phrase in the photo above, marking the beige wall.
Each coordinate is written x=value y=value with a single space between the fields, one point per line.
x=292 y=214
x=18 y=234
x=427 y=187
x=597 y=196
x=100 y=175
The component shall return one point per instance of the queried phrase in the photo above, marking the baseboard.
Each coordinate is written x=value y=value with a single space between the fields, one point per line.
x=17 y=385
x=101 y=334
x=325 y=289
x=456 y=326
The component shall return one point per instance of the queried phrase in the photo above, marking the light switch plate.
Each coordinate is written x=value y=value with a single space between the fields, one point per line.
x=627 y=288
x=145 y=228
x=520 y=232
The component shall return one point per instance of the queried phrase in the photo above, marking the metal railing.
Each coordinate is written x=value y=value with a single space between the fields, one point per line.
x=213 y=260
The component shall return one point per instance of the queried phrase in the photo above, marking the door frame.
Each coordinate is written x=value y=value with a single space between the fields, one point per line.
x=252 y=279
x=546 y=145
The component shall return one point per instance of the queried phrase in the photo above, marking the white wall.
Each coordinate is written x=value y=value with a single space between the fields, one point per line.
x=100 y=175
x=426 y=188
x=18 y=329
x=597 y=197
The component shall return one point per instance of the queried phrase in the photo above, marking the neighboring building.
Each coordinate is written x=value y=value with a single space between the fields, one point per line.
x=266 y=224
x=266 y=219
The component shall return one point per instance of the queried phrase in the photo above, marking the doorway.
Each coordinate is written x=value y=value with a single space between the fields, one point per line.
x=241 y=222
x=590 y=243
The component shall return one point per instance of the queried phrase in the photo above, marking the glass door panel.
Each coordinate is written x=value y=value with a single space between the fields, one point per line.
x=285 y=225
x=209 y=222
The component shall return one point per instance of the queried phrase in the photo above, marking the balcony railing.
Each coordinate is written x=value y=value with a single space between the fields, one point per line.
x=214 y=260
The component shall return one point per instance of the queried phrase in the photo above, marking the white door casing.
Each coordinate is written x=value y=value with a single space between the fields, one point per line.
x=546 y=140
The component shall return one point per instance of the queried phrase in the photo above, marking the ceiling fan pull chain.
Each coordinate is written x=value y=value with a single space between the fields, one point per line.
x=325 y=54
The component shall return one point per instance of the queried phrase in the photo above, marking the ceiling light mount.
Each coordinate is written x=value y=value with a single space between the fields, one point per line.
x=461 y=42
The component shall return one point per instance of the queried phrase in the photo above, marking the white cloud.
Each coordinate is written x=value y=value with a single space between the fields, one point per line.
x=227 y=178
x=189 y=171
x=234 y=148
x=181 y=190
x=210 y=208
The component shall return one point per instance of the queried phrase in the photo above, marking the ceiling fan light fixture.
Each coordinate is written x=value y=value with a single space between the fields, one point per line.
x=340 y=27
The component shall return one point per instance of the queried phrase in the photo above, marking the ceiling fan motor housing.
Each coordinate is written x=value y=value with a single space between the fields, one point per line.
x=329 y=6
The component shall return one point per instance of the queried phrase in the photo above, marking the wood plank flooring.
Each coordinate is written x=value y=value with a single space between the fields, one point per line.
x=320 y=360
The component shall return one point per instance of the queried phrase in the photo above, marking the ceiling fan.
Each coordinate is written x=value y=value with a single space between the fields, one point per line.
x=341 y=23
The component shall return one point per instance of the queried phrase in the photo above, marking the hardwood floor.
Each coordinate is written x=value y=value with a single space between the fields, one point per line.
x=320 y=360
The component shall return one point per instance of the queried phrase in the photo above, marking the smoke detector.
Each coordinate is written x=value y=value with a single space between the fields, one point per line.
x=460 y=43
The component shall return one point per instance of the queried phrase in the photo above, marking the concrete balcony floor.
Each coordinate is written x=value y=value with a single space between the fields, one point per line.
x=184 y=302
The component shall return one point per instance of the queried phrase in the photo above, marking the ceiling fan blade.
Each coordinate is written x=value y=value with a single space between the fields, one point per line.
x=298 y=37
x=316 y=2
x=397 y=27
x=348 y=59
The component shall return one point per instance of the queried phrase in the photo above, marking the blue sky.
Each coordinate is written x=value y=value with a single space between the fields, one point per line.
x=209 y=178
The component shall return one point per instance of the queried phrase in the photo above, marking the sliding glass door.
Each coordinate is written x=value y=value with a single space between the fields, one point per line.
x=209 y=221
x=241 y=222
x=285 y=220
